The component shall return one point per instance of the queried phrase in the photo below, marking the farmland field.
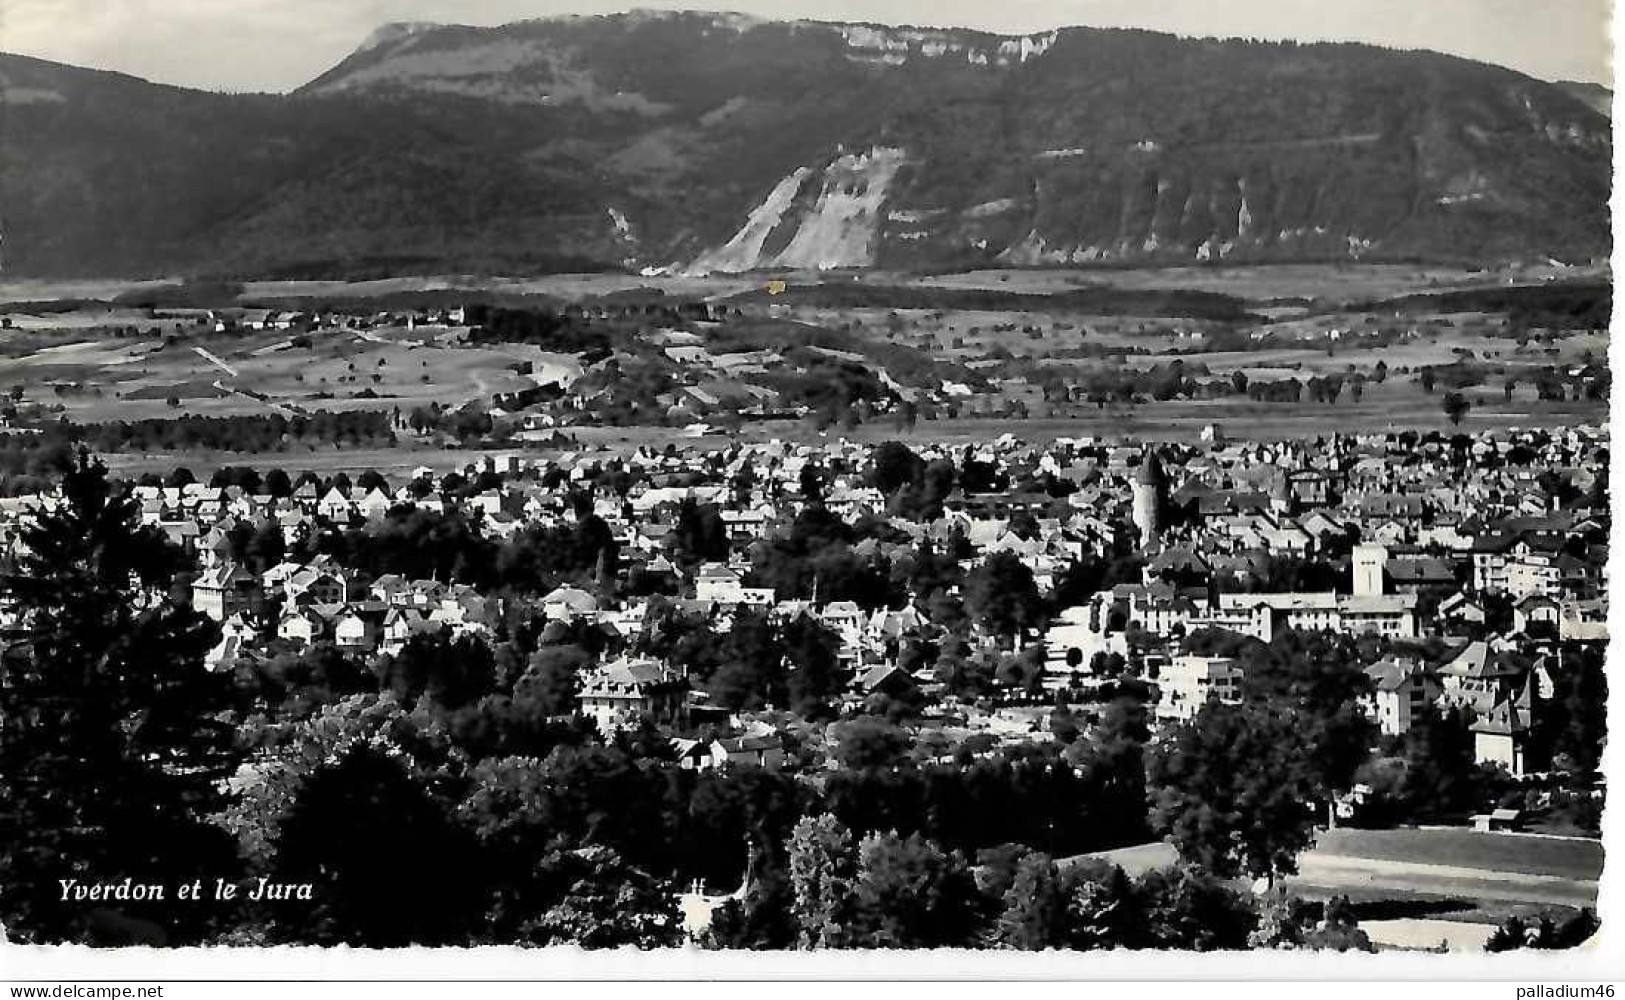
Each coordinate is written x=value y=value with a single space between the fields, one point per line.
x=984 y=352
x=130 y=379
x=1343 y=282
x=1336 y=283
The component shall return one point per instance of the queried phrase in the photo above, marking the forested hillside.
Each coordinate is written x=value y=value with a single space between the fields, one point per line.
x=711 y=142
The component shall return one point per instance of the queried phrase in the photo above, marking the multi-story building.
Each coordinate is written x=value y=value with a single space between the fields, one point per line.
x=619 y=693
x=1186 y=683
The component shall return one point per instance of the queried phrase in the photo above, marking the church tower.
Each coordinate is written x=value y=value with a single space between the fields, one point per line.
x=1370 y=562
x=1150 y=488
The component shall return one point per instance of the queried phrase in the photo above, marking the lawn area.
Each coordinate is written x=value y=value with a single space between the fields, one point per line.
x=1411 y=882
x=1457 y=848
x=1528 y=855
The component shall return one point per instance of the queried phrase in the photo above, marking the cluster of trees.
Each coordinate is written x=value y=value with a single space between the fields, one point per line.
x=1571 y=724
x=1098 y=300
x=255 y=433
x=1002 y=596
x=1433 y=777
x=1239 y=788
x=835 y=391
x=844 y=889
x=30 y=463
x=1288 y=390
x=110 y=737
x=557 y=330
x=623 y=392
x=1090 y=574
x=1295 y=574
x=1178 y=380
x=698 y=534
x=819 y=552
x=1569 y=305
x=466 y=424
x=50 y=446
x=1551 y=384
x=758 y=663
x=1174 y=381
x=1544 y=933
x=1455 y=406
x=914 y=488
x=451 y=546
x=1086 y=794
x=506 y=813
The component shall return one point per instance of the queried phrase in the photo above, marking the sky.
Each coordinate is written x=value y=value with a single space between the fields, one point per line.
x=276 y=45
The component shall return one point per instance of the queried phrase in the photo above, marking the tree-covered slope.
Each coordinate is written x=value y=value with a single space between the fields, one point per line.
x=714 y=142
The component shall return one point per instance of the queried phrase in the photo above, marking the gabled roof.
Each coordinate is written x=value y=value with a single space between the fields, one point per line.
x=225 y=575
x=627 y=677
x=1391 y=675
x=575 y=599
x=880 y=674
x=1457 y=600
x=1508 y=717
x=1181 y=557
x=715 y=571
x=1478 y=661
x=750 y=744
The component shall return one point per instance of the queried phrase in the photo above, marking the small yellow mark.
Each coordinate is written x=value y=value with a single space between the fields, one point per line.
x=777 y=287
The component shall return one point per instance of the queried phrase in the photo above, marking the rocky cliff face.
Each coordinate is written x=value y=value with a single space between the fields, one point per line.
x=701 y=142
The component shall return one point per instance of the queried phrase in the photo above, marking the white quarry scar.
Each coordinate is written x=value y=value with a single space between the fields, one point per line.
x=842 y=228
x=744 y=251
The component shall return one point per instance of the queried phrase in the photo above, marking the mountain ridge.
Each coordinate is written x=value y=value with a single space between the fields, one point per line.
x=1595 y=95
x=694 y=141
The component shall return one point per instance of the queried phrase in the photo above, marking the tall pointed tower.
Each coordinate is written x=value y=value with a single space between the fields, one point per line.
x=1150 y=488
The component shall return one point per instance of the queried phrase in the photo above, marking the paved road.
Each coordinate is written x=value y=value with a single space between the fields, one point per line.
x=215 y=360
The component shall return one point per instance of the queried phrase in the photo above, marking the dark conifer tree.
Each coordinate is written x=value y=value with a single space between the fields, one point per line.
x=111 y=739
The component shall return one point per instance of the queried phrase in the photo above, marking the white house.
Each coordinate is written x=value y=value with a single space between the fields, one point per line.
x=1187 y=682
